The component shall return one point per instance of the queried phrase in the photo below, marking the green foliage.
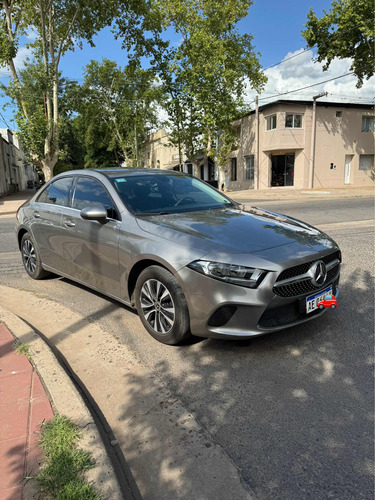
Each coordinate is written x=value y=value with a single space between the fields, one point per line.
x=117 y=108
x=22 y=349
x=346 y=30
x=61 y=474
x=60 y=26
x=206 y=75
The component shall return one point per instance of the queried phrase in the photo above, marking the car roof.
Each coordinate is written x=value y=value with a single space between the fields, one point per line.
x=122 y=172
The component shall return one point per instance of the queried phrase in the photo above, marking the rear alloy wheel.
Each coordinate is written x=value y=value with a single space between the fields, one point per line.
x=31 y=259
x=161 y=305
x=321 y=307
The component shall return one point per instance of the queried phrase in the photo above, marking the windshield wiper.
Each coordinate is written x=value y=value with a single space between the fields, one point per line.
x=147 y=214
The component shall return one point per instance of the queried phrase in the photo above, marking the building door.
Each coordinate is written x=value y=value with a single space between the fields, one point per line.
x=282 y=170
x=348 y=162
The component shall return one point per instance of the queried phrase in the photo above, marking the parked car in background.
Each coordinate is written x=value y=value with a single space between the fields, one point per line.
x=186 y=256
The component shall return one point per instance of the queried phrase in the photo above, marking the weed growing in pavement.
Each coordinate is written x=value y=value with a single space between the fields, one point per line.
x=61 y=473
x=22 y=349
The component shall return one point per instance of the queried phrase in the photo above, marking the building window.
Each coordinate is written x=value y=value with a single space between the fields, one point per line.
x=157 y=163
x=249 y=168
x=189 y=168
x=148 y=156
x=233 y=170
x=338 y=114
x=271 y=122
x=367 y=124
x=366 y=162
x=293 y=121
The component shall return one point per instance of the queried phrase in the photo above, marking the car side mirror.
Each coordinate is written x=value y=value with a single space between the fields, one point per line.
x=94 y=212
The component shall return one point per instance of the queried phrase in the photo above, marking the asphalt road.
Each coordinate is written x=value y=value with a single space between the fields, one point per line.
x=294 y=410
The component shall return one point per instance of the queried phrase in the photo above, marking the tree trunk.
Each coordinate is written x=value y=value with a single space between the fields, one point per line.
x=221 y=177
x=48 y=164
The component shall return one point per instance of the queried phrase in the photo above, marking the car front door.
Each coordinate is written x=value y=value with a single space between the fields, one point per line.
x=90 y=247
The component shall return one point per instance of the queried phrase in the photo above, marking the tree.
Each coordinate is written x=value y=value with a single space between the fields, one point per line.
x=205 y=76
x=345 y=31
x=60 y=26
x=117 y=108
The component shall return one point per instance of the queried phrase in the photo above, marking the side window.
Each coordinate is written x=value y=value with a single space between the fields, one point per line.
x=90 y=192
x=57 y=193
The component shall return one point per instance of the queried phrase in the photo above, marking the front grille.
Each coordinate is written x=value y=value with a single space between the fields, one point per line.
x=304 y=287
x=222 y=316
x=284 y=315
x=292 y=272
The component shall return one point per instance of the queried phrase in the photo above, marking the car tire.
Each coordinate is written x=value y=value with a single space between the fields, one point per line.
x=162 y=306
x=31 y=258
x=333 y=306
x=321 y=307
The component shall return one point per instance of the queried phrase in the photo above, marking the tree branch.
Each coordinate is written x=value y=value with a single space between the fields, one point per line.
x=64 y=39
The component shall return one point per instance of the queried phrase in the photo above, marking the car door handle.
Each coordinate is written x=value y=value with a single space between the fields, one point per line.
x=69 y=223
x=37 y=215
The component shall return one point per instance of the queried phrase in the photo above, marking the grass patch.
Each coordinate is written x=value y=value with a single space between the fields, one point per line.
x=61 y=474
x=22 y=349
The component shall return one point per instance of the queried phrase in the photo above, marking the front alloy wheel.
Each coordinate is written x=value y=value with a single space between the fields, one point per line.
x=157 y=306
x=162 y=306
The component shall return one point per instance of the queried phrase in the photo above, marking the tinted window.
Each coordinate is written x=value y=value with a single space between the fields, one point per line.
x=57 y=193
x=90 y=192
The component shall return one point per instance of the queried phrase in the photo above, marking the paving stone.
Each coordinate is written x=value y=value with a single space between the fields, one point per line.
x=15 y=387
x=12 y=494
x=41 y=411
x=13 y=420
x=14 y=363
x=37 y=389
x=12 y=460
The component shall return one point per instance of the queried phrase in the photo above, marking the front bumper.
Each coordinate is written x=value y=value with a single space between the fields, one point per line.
x=222 y=310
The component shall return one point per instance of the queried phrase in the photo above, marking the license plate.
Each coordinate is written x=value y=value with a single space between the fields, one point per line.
x=313 y=301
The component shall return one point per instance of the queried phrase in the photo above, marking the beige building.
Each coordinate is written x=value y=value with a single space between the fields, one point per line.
x=283 y=136
x=159 y=153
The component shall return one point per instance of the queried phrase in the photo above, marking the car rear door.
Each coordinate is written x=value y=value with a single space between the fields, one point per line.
x=90 y=247
x=45 y=220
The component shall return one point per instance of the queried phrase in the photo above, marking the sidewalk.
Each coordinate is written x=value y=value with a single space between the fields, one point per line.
x=10 y=204
x=24 y=406
x=291 y=194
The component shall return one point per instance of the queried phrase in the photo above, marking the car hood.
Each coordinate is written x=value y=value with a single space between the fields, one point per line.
x=233 y=231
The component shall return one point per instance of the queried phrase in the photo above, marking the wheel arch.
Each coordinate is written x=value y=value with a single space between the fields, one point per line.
x=20 y=235
x=136 y=270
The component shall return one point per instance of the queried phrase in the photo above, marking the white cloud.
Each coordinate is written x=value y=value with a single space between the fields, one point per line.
x=301 y=71
x=22 y=54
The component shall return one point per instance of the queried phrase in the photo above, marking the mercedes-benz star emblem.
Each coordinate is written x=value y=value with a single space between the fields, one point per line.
x=318 y=273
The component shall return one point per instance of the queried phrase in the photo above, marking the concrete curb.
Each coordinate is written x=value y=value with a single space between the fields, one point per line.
x=67 y=401
x=169 y=451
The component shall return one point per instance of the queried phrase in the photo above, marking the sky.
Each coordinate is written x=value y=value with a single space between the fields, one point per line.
x=276 y=27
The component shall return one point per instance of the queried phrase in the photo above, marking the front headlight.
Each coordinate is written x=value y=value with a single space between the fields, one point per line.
x=230 y=273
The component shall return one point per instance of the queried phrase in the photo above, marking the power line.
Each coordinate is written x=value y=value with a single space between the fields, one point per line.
x=307 y=87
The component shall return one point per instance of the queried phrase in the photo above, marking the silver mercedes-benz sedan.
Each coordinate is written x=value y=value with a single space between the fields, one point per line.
x=189 y=259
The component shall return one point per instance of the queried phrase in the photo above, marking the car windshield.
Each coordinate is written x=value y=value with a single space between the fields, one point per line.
x=146 y=194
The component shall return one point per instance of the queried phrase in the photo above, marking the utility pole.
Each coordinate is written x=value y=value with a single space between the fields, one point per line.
x=257 y=139
x=313 y=135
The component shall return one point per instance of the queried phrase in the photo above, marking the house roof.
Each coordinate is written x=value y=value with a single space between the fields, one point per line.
x=327 y=104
